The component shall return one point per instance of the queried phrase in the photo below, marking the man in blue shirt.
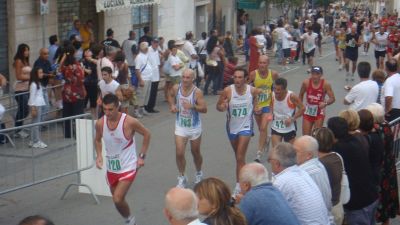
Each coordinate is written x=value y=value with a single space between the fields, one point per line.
x=262 y=203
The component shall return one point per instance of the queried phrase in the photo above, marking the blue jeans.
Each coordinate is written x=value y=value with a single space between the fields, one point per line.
x=23 y=108
x=35 y=129
x=364 y=216
x=212 y=75
x=279 y=52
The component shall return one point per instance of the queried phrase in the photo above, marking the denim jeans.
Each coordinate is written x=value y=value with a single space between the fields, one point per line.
x=35 y=129
x=23 y=108
x=212 y=76
x=364 y=216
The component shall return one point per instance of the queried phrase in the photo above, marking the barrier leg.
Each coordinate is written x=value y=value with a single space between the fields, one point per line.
x=10 y=140
x=83 y=185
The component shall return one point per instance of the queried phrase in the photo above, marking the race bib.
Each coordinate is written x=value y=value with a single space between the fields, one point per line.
x=239 y=112
x=262 y=97
x=113 y=163
x=279 y=124
x=185 y=122
x=309 y=45
x=311 y=110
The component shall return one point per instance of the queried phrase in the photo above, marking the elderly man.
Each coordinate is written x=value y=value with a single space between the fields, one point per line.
x=297 y=186
x=262 y=203
x=306 y=148
x=181 y=207
x=144 y=73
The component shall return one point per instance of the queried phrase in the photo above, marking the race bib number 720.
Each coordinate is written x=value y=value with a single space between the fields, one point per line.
x=113 y=165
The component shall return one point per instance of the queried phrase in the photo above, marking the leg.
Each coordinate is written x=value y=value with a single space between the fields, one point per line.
x=67 y=112
x=153 y=95
x=167 y=87
x=263 y=129
x=197 y=158
x=118 y=194
x=353 y=67
x=240 y=153
x=180 y=143
x=307 y=126
x=319 y=122
x=276 y=139
x=346 y=63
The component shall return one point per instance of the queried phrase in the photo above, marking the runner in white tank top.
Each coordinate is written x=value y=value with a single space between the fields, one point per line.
x=240 y=99
x=118 y=130
x=187 y=102
x=284 y=104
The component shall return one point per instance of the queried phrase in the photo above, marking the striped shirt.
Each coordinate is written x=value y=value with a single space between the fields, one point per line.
x=303 y=196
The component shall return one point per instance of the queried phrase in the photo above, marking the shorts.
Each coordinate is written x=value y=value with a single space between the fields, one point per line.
x=286 y=52
x=314 y=118
x=114 y=178
x=351 y=54
x=265 y=109
x=380 y=54
x=247 y=133
x=192 y=135
x=286 y=136
x=310 y=54
x=175 y=80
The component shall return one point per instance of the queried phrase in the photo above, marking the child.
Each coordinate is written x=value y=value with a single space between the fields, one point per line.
x=36 y=103
x=229 y=69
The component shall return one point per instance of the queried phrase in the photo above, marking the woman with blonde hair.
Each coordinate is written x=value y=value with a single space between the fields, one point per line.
x=216 y=203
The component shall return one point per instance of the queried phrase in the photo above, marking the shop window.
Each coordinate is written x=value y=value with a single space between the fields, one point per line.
x=141 y=17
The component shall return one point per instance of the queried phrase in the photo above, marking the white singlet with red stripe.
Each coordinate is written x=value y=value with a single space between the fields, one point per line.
x=120 y=151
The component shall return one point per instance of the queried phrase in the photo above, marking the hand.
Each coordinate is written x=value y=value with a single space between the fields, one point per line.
x=289 y=121
x=99 y=162
x=34 y=112
x=238 y=198
x=224 y=104
x=322 y=105
x=173 y=109
x=140 y=163
x=186 y=105
x=141 y=83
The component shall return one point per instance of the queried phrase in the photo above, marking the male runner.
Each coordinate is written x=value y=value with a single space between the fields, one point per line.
x=187 y=101
x=284 y=104
x=380 y=39
x=315 y=88
x=310 y=39
x=263 y=78
x=239 y=100
x=118 y=133
x=351 y=54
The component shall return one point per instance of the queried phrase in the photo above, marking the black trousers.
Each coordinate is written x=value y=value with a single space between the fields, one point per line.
x=153 y=96
x=392 y=115
x=71 y=109
x=23 y=108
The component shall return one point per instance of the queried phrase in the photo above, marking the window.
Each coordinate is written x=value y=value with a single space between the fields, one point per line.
x=141 y=17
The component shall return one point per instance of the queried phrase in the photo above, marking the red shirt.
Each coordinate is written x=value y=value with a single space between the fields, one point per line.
x=73 y=88
x=228 y=73
x=315 y=96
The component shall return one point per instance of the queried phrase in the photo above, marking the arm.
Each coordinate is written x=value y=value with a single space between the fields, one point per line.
x=251 y=77
x=200 y=104
x=18 y=71
x=171 y=99
x=138 y=127
x=255 y=92
x=222 y=104
x=118 y=93
x=388 y=103
x=275 y=75
x=331 y=96
x=3 y=80
x=97 y=143
x=303 y=90
x=300 y=109
x=350 y=97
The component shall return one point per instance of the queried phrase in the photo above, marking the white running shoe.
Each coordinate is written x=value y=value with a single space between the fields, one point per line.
x=182 y=181
x=198 y=177
x=340 y=67
x=30 y=144
x=39 y=144
x=131 y=221
x=258 y=156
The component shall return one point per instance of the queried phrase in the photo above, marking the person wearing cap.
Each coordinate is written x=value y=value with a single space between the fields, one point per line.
x=365 y=92
x=144 y=72
x=315 y=88
x=380 y=39
x=154 y=57
x=110 y=41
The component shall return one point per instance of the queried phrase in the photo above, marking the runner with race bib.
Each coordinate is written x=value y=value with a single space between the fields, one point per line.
x=380 y=39
x=315 y=88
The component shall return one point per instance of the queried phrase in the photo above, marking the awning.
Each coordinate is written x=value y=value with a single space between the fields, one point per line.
x=105 y=5
x=249 y=4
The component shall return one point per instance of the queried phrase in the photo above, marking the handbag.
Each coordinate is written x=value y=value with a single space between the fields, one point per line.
x=200 y=71
x=345 y=187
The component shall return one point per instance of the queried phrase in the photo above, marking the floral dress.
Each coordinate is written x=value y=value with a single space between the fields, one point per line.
x=388 y=194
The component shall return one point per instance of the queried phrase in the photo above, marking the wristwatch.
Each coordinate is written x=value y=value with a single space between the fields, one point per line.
x=142 y=155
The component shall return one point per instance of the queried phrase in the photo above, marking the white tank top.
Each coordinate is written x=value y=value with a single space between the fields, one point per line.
x=240 y=111
x=282 y=110
x=382 y=41
x=108 y=88
x=187 y=118
x=120 y=151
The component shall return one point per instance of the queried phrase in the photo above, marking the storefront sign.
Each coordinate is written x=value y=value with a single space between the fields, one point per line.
x=44 y=7
x=104 y=5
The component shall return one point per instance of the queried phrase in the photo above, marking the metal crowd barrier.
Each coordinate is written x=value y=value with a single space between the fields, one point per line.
x=25 y=166
x=395 y=127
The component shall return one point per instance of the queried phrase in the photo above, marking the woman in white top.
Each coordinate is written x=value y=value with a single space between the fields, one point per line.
x=36 y=103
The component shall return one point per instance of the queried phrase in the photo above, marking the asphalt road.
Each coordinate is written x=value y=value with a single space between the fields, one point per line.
x=146 y=196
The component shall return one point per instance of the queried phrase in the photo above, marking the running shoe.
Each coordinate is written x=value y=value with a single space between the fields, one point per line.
x=131 y=221
x=198 y=177
x=39 y=144
x=258 y=156
x=340 y=67
x=182 y=181
x=21 y=134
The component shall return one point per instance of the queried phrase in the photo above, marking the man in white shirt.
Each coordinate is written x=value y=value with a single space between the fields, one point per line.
x=190 y=51
x=307 y=158
x=309 y=45
x=129 y=47
x=365 y=92
x=286 y=38
x=298 y=188
x=380 y=39
x=391 y=89
x=154 y=58
x=144 y=72
x=181 y=207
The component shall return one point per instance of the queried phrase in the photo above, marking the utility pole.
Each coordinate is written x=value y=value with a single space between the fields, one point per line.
x=214 y=18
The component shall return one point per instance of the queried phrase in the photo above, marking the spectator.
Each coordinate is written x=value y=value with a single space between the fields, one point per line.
x=130 y=49
x=229 y=70
x=110 y=41
x=53 y=40
x=75 y=30
x=35 y=220
x=262 y=203
x=176 y=64
x=181 y=207
x=107 y=61
x=155 y=62
x=36 y=103
x=286 y=38
x=297 y=187
x=212 y=67
x=86 y=32
x=392 y=91
x=306 y=148
x=21 y=88
x=353 y=122
x=334 y=167
x=228 y=44
x=388 y=206
x=144 y=73
x=126 y=91
x=363 y=196
x=3 y=83
x=91 y=79
x=201 y=48
x=365 y=92
x=254 y=53
x=379 y=77
x=216 y=203
x=74 y=92
x=146 y=37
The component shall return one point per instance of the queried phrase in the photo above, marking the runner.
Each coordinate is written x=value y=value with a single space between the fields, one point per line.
x=310 y=40
x=118 y=133
x=380 y=40
x=393 y=41
x=315 y=88
x=263 y=78
x=367 y=35
x=284 y=104
x=342 y=47
x=351 y=53
x=186 y=100
x=239 y=100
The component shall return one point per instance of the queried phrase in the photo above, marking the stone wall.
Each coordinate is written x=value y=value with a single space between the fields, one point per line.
x=68 y=11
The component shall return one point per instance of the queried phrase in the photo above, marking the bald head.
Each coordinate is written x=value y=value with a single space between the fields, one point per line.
x=263 y=62
x=188 y=72
x=181 y=205
x=306 y=148
x=44 y=53
x=254 y=173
